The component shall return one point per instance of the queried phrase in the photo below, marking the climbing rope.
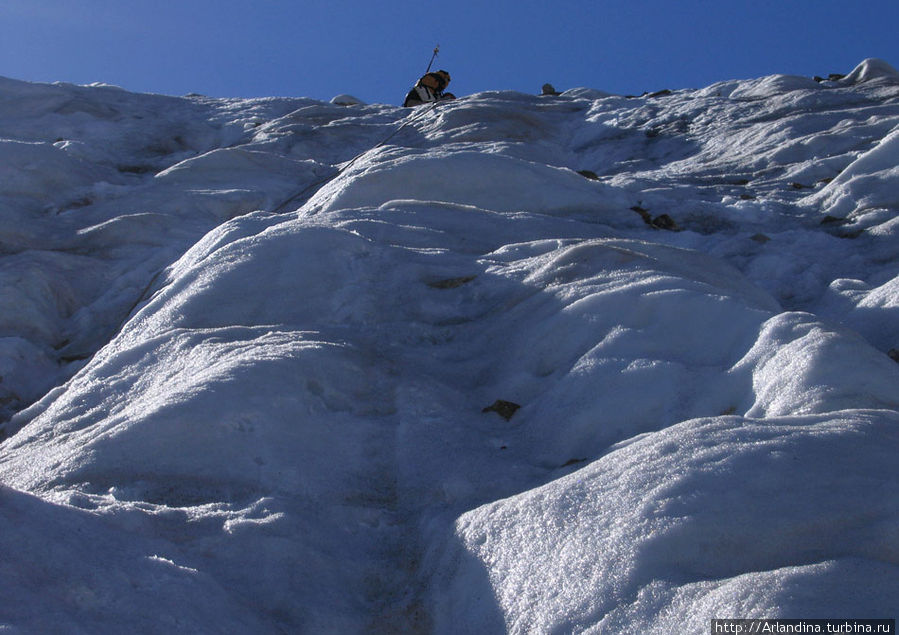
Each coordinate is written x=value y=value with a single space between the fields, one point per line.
x=409 y=119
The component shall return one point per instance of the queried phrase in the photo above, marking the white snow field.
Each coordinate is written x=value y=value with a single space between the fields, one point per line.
x=511 y=364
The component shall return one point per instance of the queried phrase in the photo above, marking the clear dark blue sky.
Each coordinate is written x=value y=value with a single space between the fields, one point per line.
x=375 y=50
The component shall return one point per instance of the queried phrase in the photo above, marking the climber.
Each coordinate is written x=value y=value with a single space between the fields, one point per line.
x=549 y=89
x=429 y=89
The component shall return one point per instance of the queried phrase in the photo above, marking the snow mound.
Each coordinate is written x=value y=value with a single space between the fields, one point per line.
x=870 y=70
x=483 y=180
x=870 y=182
x=772 y=86
x=627 y=542
x=347 y=100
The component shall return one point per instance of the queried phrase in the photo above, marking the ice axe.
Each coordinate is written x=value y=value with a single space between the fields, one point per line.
x=433 y=57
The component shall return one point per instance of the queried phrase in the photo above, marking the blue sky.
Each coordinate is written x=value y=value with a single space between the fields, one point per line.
x=376 y=50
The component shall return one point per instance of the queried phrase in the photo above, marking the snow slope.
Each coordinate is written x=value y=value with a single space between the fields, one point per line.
x=259 y=360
